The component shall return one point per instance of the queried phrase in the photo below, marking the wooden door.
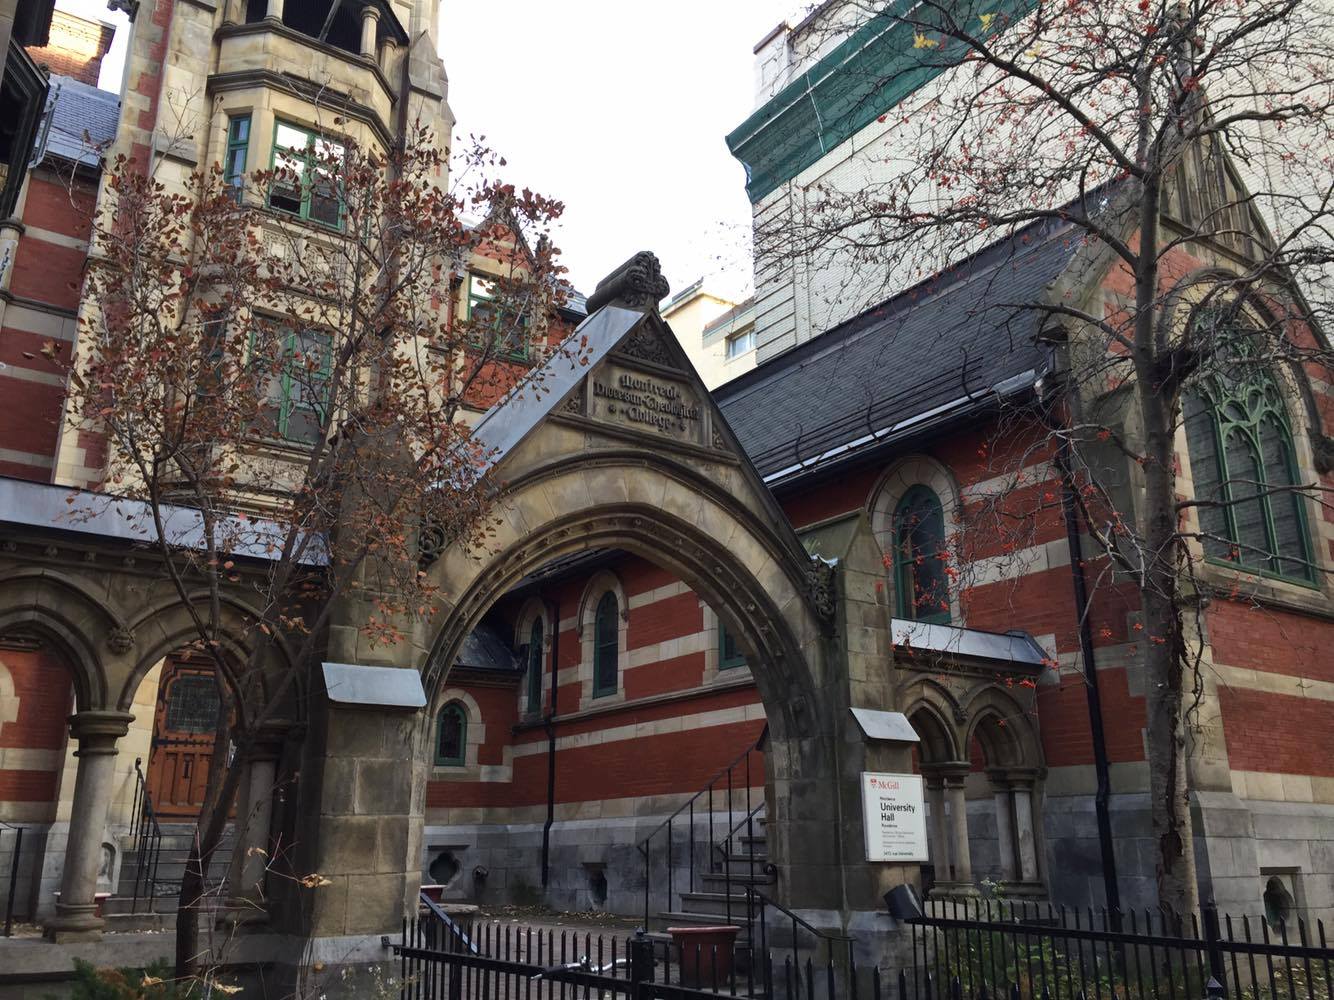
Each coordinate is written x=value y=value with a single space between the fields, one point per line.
x=183 y=727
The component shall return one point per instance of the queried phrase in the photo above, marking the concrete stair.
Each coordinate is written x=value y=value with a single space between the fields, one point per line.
x=721 y=889
x=155 y=908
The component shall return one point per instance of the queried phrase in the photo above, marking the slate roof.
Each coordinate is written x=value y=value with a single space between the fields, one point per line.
x=956 y=340
x=83 y=121
x=485 y=649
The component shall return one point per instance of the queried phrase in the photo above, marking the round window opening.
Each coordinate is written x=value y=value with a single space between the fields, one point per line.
x=445 y=868
x=1278 y=902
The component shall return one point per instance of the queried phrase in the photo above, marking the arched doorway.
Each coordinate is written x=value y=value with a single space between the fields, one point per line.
x=590 y=472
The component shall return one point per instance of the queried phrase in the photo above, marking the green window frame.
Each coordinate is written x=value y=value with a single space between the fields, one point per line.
x=315 y=195
x=534 y=658
x=1239 y=441
x=921 y=584
x=606 y=647
x=451 y=736
x=299 y=395
x=238 y=151
x=730 y=655
x=508 y=335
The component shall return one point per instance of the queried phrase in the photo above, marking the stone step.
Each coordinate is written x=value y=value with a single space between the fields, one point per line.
x=717 y=903
x=760 y=859
x=739 y=875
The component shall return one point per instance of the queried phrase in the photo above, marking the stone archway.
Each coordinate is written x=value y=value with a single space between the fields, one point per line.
x=626 y=451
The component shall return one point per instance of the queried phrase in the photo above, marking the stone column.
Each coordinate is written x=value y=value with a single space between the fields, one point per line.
x=963 y=865
x=97 y=733
x=275 y=11
x=370 y=20
x=1000 y=791
x=254 y=847
x=940 y=842
x=1024 y=833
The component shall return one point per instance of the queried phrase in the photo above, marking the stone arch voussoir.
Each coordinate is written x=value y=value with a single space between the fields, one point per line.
x=671 y=517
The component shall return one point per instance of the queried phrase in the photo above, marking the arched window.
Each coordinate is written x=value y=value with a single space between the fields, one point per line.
x=534 y=668
x=606 y=668
x=920 y=557
x=451 y=736
x=1241 y=459
x=729 y=653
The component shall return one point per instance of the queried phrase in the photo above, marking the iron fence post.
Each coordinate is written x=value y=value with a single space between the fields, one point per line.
x=1213 y=937
x=13 y=881
x=641 y=966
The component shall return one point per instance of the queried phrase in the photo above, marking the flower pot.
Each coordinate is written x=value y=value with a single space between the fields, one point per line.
x=704 y=954
x=434 y=893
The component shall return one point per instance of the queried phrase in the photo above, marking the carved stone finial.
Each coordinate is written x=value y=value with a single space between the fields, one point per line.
x=636 y=284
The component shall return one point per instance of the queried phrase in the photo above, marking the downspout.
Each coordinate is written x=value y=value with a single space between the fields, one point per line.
x=551 y=746
x=1111 y=890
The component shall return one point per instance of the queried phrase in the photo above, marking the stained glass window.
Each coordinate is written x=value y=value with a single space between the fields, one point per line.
x=920 y=557
x=606 y=665
x=451 y=746
x=1242 y=461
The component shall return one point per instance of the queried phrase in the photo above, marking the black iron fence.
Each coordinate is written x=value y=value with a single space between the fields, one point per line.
x=492 y=961
x=974 y=950
x=1026 y=950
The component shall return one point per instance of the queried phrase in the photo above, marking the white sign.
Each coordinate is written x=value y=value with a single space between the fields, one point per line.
x=894 y=813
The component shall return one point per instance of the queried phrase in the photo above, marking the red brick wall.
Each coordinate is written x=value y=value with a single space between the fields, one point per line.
x=1272 y=640
x=48 y=273
x=42 y=686
x=1277 y=733
x=75 y=48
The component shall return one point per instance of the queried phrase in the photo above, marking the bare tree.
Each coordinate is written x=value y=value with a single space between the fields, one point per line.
x=1184 y=149
x=280 y=375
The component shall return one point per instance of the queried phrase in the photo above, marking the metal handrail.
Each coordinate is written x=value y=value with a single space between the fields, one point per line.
x=746 y=821
x=724 y=778
x=449 y=923
x=146 y=828
x=829 y=939
x=709 y=787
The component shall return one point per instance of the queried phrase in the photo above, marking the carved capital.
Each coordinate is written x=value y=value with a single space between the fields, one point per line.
x=120 y=640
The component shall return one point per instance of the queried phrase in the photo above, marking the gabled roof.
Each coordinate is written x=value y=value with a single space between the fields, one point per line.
x=83 y=121
x=957 y=340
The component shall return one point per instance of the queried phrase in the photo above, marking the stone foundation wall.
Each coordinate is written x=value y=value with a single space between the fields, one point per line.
x=583 y=854
x=1239 y=845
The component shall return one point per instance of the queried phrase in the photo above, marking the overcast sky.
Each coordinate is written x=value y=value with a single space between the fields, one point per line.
x=619 y=109
x=616 y=107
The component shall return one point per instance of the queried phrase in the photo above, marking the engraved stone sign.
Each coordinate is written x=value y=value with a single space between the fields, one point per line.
x=646 y=403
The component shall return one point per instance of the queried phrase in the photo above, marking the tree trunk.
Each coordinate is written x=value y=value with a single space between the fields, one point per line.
x=1161 y=554
x=208 y=833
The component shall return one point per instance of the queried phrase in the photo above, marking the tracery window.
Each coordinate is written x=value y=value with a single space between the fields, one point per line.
x=534 y=668
x=451 y=740
x=1243 y=462
x=606 y=655
x=920 y=557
